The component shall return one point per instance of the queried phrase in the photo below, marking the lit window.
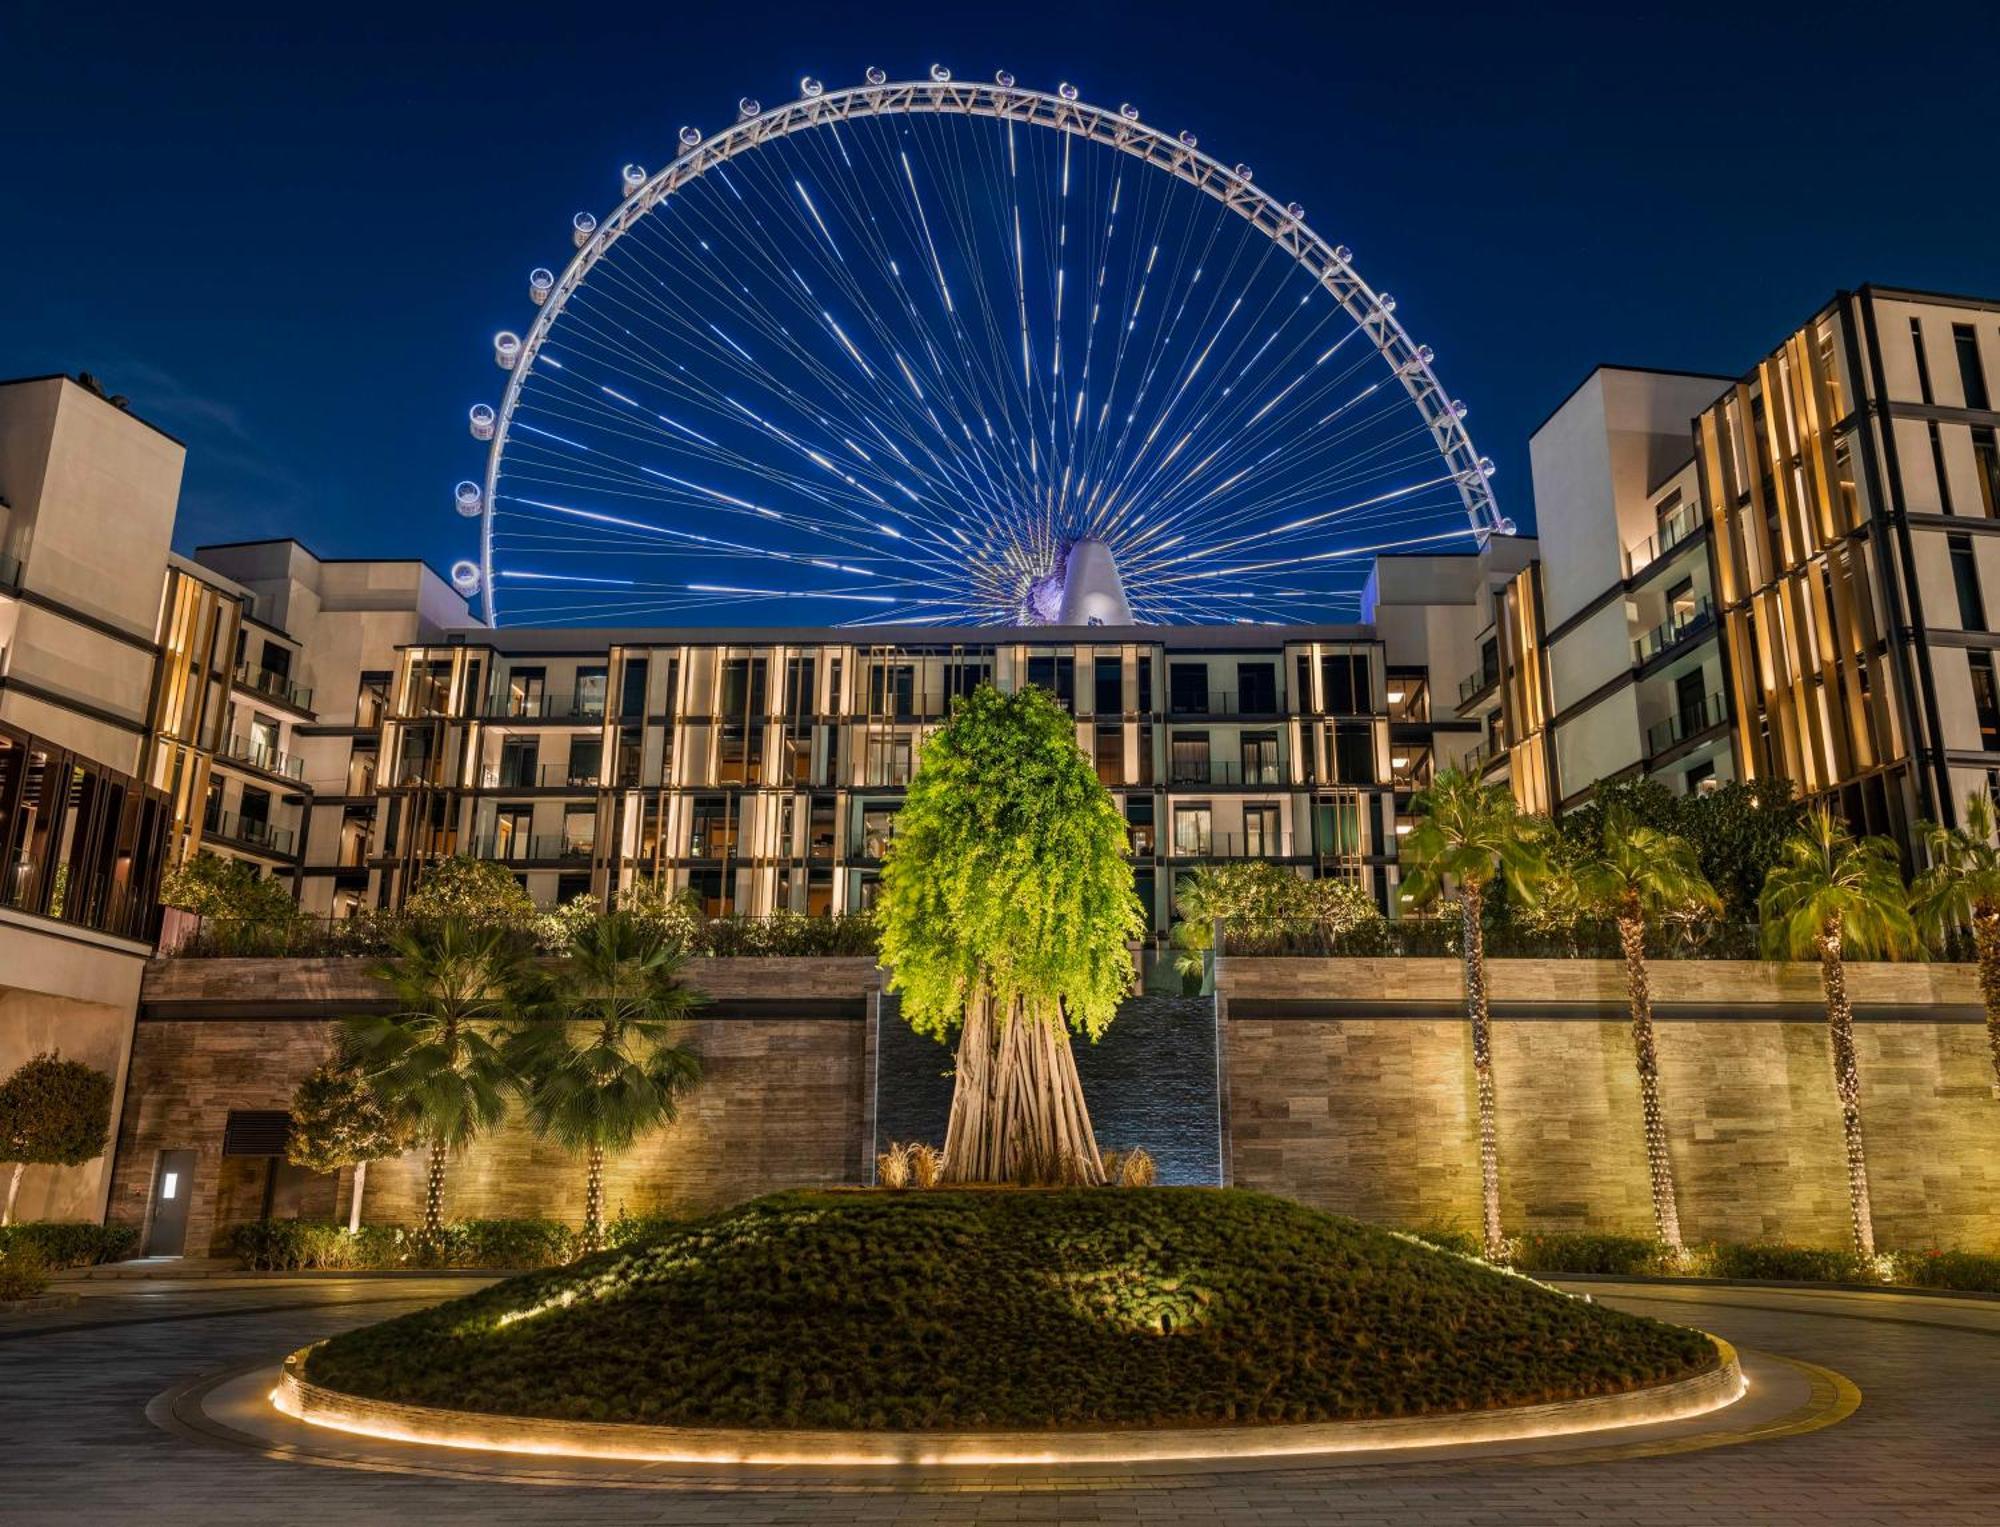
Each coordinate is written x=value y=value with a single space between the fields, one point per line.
x=170 y=1184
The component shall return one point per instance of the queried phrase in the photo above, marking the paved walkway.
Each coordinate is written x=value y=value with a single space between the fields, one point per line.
x=1924 y=1447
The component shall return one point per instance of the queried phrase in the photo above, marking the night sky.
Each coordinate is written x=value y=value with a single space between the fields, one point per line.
x=288 y=239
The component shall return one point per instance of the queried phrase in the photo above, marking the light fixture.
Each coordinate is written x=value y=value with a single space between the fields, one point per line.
x=1403 y=831
x=1399 y=763
x=1395 y=697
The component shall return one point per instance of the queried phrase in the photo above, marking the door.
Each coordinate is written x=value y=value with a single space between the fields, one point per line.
x=173 y=1183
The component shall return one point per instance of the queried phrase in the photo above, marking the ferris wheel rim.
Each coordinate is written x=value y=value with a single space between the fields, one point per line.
x=1057 y=111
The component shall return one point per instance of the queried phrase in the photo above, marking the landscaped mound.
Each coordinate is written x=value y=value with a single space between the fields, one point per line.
x=1006 y=1310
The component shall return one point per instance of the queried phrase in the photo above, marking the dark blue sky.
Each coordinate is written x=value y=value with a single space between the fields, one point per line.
x=289 y=240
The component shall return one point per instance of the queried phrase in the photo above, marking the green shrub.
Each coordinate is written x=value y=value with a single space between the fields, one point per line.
x=1798 y=1264
x=1971 y=1271
x=65 y=1243
x=296 y=1245
x=637 y=1229
x=23 y=1272
x=1447 y=1238
x=505 y=1243
x=1622 y=1255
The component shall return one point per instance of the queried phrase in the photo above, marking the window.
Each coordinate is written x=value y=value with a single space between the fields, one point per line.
x=1187 y=758
x=890 y=760
x=1108 y=687
x=1260 y=758
x=1193 y=838
x=1111 y=754
x=524 y=691
x=1970 y=375
x=1257 y=689
x=1187 y=688
x=1057 y=675
x=590 y=684
x=1261 y=837
x=1348 y=683
x=632 y=692
x=1986 y=700
x=1145 y=685
x=1937 y=468
x=1139 y=823
x=1923 y=361
x=1986 y=469
x=1339 y=828
x=878 y=826
x=1965 y=576
x=1354 y=753
x=892 y=689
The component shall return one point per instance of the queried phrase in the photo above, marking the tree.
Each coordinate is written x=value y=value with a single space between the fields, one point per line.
x=1637 y=876
x=53 y=1112
x=1470 y=835
x=1832 y=895
x=600 y=1063
x=1962 y=889
x=1261 y=900
x=482 y=893
x=1006 y=911
x=436 y=1060
x=338 y=1120
x=227 y=891
x=1738 y=830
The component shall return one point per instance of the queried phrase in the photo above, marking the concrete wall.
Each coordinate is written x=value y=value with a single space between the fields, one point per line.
x=783 y=1101
x=1350 y=1087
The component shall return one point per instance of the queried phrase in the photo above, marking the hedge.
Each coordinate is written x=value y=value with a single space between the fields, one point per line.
x=66 y=1243
x=286 y=1245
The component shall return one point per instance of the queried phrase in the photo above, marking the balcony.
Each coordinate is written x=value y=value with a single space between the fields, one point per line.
x=1675 y=529
x=263 y=757
x=536 y=848
x=276 y=685
x=546 y=777
x=1670 y=633
x=576 y=707
x=1690 y=721
x=251 y=832
x=1224 y=702
x=1218 y=771
x=1483 y=757
x=1476 y=684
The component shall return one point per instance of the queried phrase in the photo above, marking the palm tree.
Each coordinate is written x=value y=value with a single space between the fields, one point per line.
x=1637 y=875
x=600 y=1064
x=1830 y=895
x=1962 y=887
x=1469 y=835
x=436 y=1060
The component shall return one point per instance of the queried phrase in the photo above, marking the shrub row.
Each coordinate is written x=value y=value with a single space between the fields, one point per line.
x=62 y=1243
x=23 y=1272
x=285 y=1245
x=1639 y=1256
x=374 y=933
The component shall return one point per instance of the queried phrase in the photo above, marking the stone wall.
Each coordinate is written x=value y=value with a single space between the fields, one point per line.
x=783 y=1100
x=1350 y=1087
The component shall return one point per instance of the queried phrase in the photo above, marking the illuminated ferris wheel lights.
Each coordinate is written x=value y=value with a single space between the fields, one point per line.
x=876 y=76
x=1189 y=140
x=1386 y=303
x=1003 y=79
x=632 y=177
x=690 y=137
x=470 y=498
x=1242 y=173
x=506 y=349
x=581 y=227
x=1067 y=91
x=940 y=74
x=465 y=577
x=541 y=281
x=747 y=108
x=1295 y=212
x=481 y=419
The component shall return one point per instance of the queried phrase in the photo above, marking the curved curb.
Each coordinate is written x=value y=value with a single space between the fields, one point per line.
x=298 y=1397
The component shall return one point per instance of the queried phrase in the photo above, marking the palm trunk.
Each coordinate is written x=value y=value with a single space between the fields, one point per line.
x=1986 y=936
x=434 y=1193
x=1646 y=1057
x=1482 y=1072
x=13 y=1191
x=593 y=1201
x=1847 y=1084
x=354 y=1203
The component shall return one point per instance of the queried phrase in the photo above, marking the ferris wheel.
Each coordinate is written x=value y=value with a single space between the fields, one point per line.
x=943 y=353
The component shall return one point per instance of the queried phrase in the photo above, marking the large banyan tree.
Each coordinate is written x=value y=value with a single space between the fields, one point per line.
x=1006 y=913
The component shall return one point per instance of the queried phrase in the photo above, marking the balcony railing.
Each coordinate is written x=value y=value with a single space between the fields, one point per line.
x=1229 y=845
x=277 y=685
x=1674 y=630
x=252 y=832
x=1223 y=771
x=1478 y=683
x=1483 y=757
x=574 y=707
x=521 y=847
x=546 y=777
x=1689 y=721
x=1224 y=702
x=1674 y=529
x=259 y=755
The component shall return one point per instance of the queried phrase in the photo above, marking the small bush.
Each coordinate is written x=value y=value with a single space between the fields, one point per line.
x=637 y=1229
x=291 y=1245
x=1136 y=1169
x=63 y=1243
x=926 y=1165
x=1799 y=1264
x=1969 y=1271
x=506 y=1243
x=1446 y=1238
x=892 y=1167
x=1623 y=1255
x=23 y=1272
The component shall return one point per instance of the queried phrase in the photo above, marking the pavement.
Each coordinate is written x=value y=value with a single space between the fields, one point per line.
x=96 y=1402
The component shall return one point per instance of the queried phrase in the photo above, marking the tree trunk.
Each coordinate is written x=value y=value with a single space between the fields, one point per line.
x=354 y=1203
x=1482 y=1071
x=1986 y=936
x=434 y=1194
x=1847 y=1084
x=1645 y=1055
x=966 y=1134
x=593 y=1201
x=13 y=1191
